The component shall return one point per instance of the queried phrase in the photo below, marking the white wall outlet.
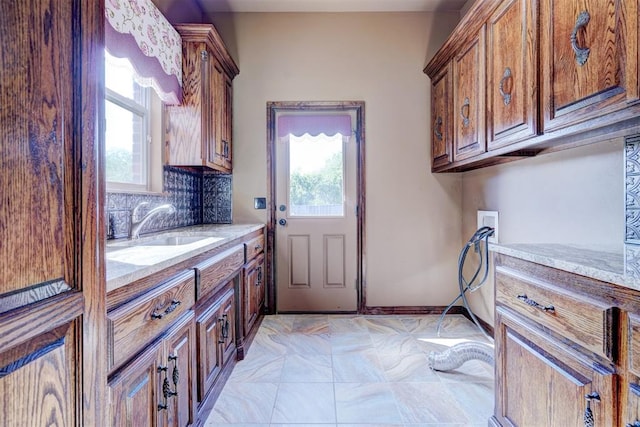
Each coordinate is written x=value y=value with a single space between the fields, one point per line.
x=489 y=219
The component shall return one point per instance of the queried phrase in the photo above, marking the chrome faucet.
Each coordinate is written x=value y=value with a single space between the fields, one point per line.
x=136 y=225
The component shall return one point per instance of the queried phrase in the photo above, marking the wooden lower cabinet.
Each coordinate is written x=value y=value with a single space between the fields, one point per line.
x=157 y=387
x=216 y=341
x=254 y=291
x=542 y=382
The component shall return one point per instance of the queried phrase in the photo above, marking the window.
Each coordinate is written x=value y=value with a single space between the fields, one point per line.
x=128 y=128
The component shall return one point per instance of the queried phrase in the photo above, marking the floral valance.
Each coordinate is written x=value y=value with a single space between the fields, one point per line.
x=328 y=124
x=137 y=30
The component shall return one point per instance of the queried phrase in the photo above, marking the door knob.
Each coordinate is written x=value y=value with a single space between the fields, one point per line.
x=282 y=222
x=282 y=208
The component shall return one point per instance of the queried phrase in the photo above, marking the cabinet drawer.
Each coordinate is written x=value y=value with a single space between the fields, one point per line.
x=254 y=247
x=217 y=270
x=134 y=325
x=584 y=321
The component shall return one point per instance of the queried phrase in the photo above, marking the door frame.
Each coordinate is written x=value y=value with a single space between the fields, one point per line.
x=273 y=108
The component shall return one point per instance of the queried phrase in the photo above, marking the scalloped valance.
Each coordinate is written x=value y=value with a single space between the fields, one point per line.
x=314 y=125
x=137 y=30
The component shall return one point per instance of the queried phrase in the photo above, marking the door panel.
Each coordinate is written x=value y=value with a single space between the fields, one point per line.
x=52 y=301
x=316 y=239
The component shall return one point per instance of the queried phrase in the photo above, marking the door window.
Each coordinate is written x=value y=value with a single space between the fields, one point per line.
x=316 y=176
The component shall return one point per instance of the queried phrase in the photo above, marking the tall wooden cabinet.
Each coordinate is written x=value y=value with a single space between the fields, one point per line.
x=198 y=131
x=52 y=292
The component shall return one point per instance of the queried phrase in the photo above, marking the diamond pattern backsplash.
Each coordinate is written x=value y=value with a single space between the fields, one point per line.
x=632 y=189
x=199 y=197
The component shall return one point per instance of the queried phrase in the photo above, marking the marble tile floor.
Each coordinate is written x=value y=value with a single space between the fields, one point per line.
x=352 y=370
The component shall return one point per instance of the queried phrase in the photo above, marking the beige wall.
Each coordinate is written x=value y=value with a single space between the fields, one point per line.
x=573 y=196
x=413 y=217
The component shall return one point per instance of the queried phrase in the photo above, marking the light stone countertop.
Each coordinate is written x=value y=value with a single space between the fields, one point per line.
x=131 y=260
x=620 y=266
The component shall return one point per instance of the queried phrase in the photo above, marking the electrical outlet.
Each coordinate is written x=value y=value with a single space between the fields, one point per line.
x=260 y=203
x=489 y=219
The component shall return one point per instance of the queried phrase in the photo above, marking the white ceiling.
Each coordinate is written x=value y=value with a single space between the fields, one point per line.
x=331 y=5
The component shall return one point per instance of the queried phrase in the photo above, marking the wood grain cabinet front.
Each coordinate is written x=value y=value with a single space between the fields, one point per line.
x=441 y=132
x=589 y=59
x=134 y=325
x=512 y=74
x=254 y=291
x=157 y=388
x=216 y=341
x=543 y=382
x=198 y=131
x=469 y=99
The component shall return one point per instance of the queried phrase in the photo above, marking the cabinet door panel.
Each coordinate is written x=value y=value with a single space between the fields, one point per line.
x=536 y=370
x=227 y=339
x=512 y=79
x=49 y=400
x=632 y=417
x=135 y=398
x=589 y=59
x=209 y=354
x=180 y=346
x=441 y=141
x=469 y=100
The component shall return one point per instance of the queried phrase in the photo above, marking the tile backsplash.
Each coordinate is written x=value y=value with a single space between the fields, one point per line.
x=199 y=198
x=632 y=189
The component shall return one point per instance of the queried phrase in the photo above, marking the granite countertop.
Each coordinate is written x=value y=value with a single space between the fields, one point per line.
x=131 y=260
x=620 y=266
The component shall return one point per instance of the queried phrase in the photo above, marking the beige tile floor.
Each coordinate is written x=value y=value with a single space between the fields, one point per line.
x=348 y=370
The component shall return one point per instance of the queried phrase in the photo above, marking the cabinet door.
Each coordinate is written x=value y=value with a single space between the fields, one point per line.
x=180 y=348
x=227 y=330
x=589 y=56
x=52 y=301
x=209 y=353
x=541 y=382
x=441 y=141
x=219 y=109
x=512 y=74
x=250 y=297
x=136 y=400
x=632 y=416
x=469 y=99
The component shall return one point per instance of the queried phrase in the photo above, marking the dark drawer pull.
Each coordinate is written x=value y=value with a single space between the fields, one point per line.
x=535 y=304
x=257 y=247
x=581 y=53
x=156 y=315
x=172 y=306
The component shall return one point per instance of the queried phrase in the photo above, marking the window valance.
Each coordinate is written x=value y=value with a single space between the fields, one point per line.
x=328 y=124
x=137 y=30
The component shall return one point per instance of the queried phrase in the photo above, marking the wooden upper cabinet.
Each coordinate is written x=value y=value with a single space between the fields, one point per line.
x=441 y=141
x=197 y=132
x=589 y=59
x=469 y=99
x=512 y=78
x=52 y=291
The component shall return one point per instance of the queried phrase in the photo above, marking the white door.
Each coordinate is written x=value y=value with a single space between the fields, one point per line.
x=316 y=231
